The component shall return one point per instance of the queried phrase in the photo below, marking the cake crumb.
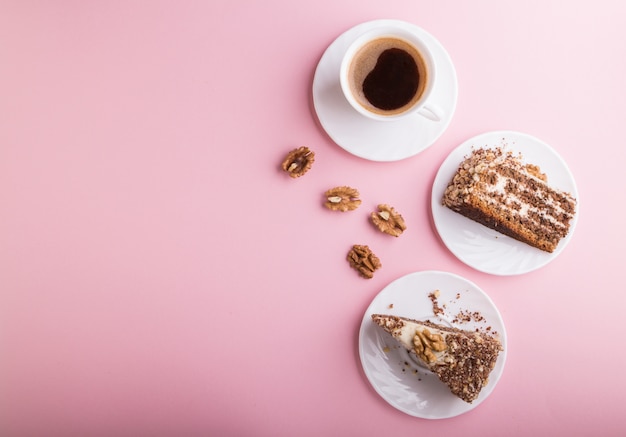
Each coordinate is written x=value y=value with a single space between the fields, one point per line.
x=437 y=310
x=465 y=316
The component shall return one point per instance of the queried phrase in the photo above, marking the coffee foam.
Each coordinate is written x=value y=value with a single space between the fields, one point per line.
x=364 y=61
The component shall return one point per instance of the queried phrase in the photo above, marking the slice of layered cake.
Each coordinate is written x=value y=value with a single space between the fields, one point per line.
x=461 y=359
x=497 y=189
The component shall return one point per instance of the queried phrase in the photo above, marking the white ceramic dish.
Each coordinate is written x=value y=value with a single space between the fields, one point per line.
x=381 y=140
x=485 y=249
x=389 y=368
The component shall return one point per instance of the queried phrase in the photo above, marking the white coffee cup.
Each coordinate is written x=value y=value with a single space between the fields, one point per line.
x=378 y=82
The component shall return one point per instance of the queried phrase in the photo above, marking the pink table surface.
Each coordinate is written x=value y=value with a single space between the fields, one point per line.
x=160 y=276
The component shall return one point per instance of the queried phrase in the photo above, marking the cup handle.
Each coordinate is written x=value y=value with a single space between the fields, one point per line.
x=434 y=113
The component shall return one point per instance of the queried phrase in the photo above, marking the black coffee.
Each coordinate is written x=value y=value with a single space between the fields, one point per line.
x=393 y=81
x=387 y=76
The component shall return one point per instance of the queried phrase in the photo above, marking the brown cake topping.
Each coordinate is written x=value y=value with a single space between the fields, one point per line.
x=498 y=190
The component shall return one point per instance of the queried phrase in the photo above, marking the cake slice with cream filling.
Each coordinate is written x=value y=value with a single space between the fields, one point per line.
x=461 y=359
x=498 y=190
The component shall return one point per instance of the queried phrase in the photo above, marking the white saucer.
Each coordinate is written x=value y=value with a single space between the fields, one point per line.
x=381 y=140
x=388 y=367
x=485 y=249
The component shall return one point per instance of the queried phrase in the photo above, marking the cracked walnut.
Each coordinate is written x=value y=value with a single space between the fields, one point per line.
x=298 y=161
x=388 y=220
x=342 y=199
x=363 y=260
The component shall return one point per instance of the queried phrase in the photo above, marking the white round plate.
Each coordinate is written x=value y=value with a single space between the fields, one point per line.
x=381 y=140
x=393 y=373
x=485 y=249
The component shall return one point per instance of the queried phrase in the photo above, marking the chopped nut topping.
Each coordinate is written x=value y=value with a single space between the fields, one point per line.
x=535 y=170
x=298 y=161
x=342 y=199
x=388 y=220
x=426 y=343
x=363 y=260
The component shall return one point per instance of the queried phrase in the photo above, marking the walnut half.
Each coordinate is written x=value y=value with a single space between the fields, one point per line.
x=363 y=260
x=388 y=220
x=298 y=161
x=342 y=199
x=427 y=343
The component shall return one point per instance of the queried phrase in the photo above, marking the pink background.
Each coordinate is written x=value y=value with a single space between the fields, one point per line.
x=160 y=276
